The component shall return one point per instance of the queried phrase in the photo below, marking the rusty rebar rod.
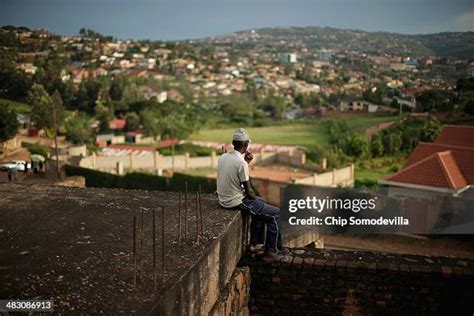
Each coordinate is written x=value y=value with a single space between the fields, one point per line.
x=154 y=250
x=179 y=218
x=141 y=243
x=134 y=251
x=197 y=217
x=185 y=209
x=162 y=244
x=200 y=211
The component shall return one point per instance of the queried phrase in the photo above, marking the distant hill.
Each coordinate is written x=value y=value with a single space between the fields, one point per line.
x=456 y=44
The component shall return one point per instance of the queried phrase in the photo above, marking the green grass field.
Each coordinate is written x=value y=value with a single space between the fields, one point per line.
x=303 y=133
x=19 y=107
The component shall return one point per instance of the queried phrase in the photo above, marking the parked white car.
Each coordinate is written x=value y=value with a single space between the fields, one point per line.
x=18 y=165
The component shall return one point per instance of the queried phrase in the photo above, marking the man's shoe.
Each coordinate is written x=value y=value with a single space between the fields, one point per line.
x=256 y=248
x=274 y=257
x=284 y=251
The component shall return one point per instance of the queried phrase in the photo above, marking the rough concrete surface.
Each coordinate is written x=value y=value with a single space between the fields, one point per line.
x=74 y=245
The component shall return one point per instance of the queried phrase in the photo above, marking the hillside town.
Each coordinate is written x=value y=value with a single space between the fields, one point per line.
x=125 y=105
x=179 y=169
x=309 y=80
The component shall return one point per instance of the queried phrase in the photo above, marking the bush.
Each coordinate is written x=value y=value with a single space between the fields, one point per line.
x=36 y=149
x=430 y=130
x=376 y=146
x=142 y=181
x=177 y=183
x=358 y=146
x=193 y=150
x=334 y=156
x=366 y=183
x=8 y=122
x=392 y=143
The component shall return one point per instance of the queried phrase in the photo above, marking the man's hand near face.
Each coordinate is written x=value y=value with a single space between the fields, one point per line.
x=248 y=157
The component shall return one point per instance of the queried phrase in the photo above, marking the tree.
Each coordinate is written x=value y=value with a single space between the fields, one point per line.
x=375 y=95
x=150 y=123
x=133 y=122
x=358 y=146
x=239 y=109
x=116 y=91
x=49 y=73
x=77 y=129
x=430 y=130
x=307 y=100
x=8 y=123
x=469 y=107
x=14 y=83
x=432 y=101
x=88 y=94
x=276 y=106
x=131 y=93
x=392 y=142
x=57 y=103
x=465 y=85
x=104 y=115
x=377 y=146
x=174 y=126
x=67 y=94
x=41 y=103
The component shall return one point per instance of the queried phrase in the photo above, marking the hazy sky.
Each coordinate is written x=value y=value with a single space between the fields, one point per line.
x=181 y=19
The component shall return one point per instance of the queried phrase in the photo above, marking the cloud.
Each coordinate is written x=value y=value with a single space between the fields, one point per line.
x=465 y=21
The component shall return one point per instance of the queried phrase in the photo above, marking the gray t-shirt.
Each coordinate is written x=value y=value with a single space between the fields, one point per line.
x=232 y=170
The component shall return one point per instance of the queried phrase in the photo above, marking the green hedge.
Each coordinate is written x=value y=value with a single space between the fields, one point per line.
x=365 y=184
x=193 y=150
x=142 y=181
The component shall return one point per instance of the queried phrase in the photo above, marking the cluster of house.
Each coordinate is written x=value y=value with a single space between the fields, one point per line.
x=224 y=70
x=118 y=136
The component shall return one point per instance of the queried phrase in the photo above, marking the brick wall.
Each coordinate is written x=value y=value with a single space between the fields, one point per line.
x=361 y=283
x=234 y=299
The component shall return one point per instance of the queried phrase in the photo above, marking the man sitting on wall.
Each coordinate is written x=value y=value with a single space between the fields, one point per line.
x=234 y=191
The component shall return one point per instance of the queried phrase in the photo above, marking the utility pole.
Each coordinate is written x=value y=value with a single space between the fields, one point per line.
x=172 y=154
x=56 y=142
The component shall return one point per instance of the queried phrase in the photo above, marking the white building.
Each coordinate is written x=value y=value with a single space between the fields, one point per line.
x=288 y=58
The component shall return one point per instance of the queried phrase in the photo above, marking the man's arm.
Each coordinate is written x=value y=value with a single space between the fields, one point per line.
x=248 y=190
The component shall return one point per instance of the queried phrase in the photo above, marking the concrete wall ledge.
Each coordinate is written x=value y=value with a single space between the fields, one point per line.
x=197 y=290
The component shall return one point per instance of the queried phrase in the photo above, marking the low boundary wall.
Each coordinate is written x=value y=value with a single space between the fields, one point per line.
x=361 y=283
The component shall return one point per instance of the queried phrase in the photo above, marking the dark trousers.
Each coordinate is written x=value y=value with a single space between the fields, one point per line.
x=263 y=215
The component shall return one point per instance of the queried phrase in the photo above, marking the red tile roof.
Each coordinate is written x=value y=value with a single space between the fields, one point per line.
x=413 y=91
x=132 y=147
x=117 y=124
x=456 y=179
x=167 y=143
x=447 y=163
x=457 y=136
x=438 y=170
